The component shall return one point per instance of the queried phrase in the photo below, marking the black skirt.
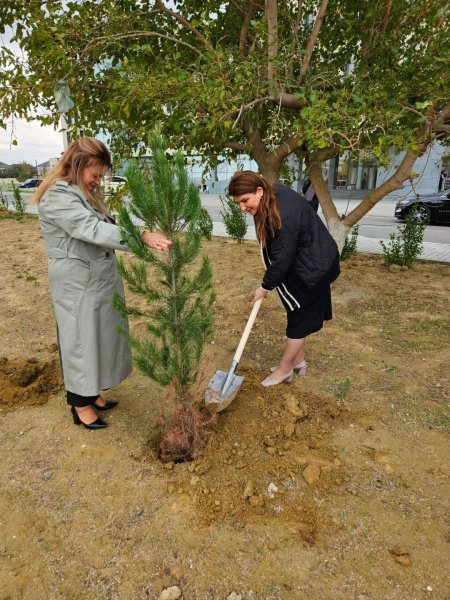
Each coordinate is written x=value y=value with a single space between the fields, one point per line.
x=309 y=317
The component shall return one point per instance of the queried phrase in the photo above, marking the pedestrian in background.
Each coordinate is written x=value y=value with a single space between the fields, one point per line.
x=310 y=194
x=442 y=179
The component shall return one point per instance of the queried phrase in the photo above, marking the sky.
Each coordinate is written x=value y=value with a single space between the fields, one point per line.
x=35 y=143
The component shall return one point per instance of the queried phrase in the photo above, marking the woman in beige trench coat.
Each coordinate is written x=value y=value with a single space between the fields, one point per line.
x=80 y=238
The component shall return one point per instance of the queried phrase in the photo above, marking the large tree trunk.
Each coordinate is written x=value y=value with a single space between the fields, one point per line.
x=338 y=231
x=336 y=225
x=269 y=166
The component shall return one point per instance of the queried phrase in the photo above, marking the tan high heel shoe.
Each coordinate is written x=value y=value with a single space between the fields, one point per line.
x=286 y=379
x=299 y=369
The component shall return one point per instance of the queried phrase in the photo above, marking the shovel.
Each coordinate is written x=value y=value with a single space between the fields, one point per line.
x=223 y=387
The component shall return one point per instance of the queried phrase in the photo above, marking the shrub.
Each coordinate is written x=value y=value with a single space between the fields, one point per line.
x=3 y=201
x=405 y=246
x=233 y=218
x=205 y=223
x=350 y=245
x=177 y=298
x=18 y=201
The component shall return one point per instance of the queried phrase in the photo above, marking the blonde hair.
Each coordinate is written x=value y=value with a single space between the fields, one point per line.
x=267 y=218
x=79 y=155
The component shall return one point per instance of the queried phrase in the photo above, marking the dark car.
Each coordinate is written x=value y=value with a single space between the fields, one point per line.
x=30 y=183
x=429 y=208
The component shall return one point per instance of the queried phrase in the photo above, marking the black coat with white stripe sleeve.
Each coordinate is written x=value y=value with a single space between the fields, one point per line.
x=301 y=255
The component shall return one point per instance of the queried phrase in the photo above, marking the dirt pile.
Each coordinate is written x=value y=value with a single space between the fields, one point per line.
x=27 y=381
x=269 y=457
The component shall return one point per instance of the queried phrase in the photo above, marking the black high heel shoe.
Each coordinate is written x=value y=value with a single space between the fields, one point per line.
x=107 y=406
x=98 y=424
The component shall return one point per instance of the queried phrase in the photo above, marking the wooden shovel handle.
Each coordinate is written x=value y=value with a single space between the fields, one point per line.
x=248 y=328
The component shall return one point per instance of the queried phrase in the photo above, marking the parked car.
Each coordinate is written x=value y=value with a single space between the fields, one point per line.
x=29 y=184
x=113 y=183
x=429 y=208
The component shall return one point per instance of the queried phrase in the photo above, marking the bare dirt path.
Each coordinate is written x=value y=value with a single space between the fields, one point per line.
x=335 y=487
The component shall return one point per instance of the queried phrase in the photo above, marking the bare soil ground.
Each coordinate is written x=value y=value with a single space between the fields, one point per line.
x=334 y=487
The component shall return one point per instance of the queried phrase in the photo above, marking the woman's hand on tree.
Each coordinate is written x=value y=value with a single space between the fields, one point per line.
x=260 y=293
x=156 y=241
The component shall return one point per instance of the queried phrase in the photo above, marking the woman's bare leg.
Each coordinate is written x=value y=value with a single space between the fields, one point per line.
x=294 y=353
x=300 y=356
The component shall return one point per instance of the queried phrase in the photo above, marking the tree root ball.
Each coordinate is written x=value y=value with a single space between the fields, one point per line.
x=174 y=447
x=184 y=437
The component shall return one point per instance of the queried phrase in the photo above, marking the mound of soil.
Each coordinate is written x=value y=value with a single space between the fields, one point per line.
x=267 y=458
x=27 y=381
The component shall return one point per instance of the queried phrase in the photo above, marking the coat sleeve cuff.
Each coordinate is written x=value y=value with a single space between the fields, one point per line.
x=265 y=288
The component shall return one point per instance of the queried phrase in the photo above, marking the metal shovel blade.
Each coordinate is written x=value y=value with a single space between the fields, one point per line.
x=215 y=394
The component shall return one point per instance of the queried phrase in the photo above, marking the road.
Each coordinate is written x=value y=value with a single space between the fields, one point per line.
x=378 y=224
x=382 y=227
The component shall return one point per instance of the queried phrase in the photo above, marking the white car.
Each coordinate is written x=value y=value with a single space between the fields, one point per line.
x=113 y=184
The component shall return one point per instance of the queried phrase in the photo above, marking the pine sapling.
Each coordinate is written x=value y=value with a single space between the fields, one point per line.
x=178 y=294
x=205 y=223
x=234 y=219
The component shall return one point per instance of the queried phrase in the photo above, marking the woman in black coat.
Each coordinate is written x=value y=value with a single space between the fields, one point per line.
x=301 y=260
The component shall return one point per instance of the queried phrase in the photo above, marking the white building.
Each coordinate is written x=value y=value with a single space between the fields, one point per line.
x=427 y=169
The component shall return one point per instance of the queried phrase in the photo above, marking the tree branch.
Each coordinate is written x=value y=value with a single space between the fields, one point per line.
x=395 y=182
x=313 y=38
x=299 y=14
x=237 y=7
x=272 y=43
x=244 y=29
x=402 y=173
x=287 y=147
x=282 y=99
x=322 y=191
x=294 y=32
x=440 y=124
x=131 y=34
x=187 y=24
x=236 y=146
x=385 y=17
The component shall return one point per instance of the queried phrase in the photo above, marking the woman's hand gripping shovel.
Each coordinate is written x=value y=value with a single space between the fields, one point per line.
x=223 y=387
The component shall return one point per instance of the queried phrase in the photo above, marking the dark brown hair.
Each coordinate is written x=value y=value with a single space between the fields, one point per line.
x=79 y=155
x=267 y=219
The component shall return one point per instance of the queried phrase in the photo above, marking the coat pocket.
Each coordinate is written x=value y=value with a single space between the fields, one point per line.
x=103 y=277
x=69 y=274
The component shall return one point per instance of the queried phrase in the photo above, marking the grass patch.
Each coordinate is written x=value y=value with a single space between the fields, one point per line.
x=339 y=388
x=6 y=215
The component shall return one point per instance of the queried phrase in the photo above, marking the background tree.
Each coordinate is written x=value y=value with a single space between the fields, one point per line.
x=20 y=171
x=271 y=79
x=178 y=298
